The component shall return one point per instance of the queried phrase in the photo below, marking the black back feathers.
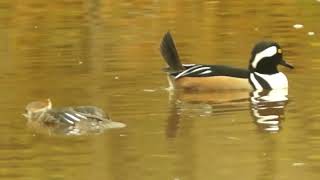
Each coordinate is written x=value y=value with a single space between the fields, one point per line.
x=201 y=70
x=170 y=54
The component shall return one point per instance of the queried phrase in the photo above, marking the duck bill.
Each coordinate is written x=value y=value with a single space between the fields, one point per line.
x=284 y=63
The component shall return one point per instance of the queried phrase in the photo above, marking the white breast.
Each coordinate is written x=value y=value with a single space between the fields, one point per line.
x=276 y=81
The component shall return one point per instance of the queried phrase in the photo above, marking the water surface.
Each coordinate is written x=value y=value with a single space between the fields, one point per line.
x=106 y=53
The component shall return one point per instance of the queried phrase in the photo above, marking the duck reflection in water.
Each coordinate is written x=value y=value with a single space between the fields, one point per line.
x=267 y=107
x=203 y=104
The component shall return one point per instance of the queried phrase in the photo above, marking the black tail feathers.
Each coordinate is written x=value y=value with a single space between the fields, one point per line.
x=170 y=54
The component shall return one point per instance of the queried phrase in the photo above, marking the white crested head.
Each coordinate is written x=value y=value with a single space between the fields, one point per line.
x=269 y=52
x=265 y=57
x=264 y=74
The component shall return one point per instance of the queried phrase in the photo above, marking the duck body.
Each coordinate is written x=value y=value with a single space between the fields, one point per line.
x=261 y=74
x=199 y=77
x=71 y=115
x=76 y=120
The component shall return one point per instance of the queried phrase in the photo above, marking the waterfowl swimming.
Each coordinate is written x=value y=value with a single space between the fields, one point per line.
x=261 y=74
x=69 y=120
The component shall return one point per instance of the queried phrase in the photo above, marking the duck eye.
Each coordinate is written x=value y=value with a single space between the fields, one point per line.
x=279 y=51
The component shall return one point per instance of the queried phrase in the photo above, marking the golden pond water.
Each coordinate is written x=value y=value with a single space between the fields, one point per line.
x=106 y=53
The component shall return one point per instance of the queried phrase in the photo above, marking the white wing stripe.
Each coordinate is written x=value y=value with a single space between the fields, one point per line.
x=68 y=121
x=192 y=70
x=206 y=72
x=72 y=117
x=200 y=69
x=80 y=116
x=186 y=71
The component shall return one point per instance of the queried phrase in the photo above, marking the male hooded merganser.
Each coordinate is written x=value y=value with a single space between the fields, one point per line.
x=73 y=120
x=261 y=74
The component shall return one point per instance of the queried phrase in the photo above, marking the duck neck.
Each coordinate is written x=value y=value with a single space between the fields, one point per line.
x=265 y=81
x=264 y=70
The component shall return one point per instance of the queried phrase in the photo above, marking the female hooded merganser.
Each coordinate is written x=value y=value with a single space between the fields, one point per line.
x=69 y=120
x=261 y=74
